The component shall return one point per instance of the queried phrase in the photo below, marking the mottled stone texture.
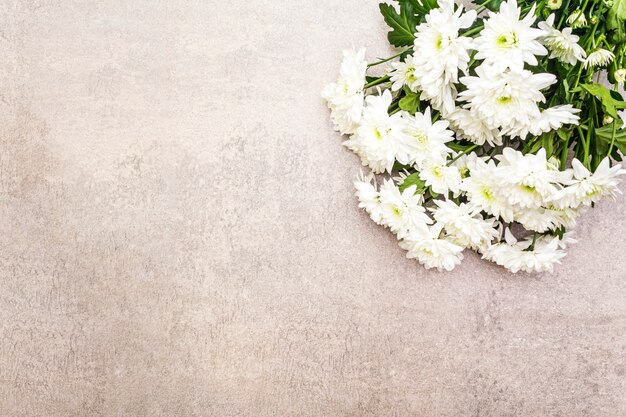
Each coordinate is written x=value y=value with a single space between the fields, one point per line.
x=178 y=237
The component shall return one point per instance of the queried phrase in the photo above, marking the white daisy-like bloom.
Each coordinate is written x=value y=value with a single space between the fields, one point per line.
x=377 y=139
x=586 y=188
x=508 y=42
x=440 y=177
x=402 y=212
x=433 y=251
x=368 y=197
x=404 y=74
x=553 y=118
x=424 y=140
x=539 y=219
x=464 y=224
x=345 y=97
x=471 y=127
x=517 y=256
x=562 y=45
x=528 y=180
x=599 y=58
x=440 y=53
x=577 y=19
x=483 y=189
x=506 y=100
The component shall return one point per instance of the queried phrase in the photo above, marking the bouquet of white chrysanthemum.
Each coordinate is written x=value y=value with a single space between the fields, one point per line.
x=490 y=124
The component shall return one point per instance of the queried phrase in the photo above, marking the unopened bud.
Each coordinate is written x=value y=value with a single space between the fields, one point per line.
x=554 y=4
x=607 y=119
x=620 y=76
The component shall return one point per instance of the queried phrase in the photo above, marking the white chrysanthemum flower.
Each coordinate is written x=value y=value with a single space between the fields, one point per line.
x=508 y=42
x=345 y=97
x=538 y=219
x=404 y=74
x=586 y=188
x=483 y=189
x=471 y=127
x=440 y=53
x=506 y=100
x=440 y=177
x=368 y=197
x=577 y=19
x=402 y=212
x=562 y=45
x=518 y=256
x=432 y=251
x=464 y=224
x=599 y=58
x=553 y=118
x=528 y=180
x=424 y=140
x=377 y=139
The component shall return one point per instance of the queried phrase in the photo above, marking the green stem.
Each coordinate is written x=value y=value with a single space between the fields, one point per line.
x=377 y=81
x=612 y=137
x=382 y=61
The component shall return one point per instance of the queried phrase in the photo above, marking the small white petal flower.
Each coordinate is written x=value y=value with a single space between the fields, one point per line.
x=518 y=256
x=440 y=53
x=464 y=224
x=440 y=177
x=586 y=188
x=345 y=97
x=368 y=197
x=471 y=127
x=377 y=139
x=506 y=100
x=432 y=251
x=402 y=212
x=528 y=180
x=555 y=117
x=424 y=140
x=404 y=74
x=562 y=45
x=599 y=58
x=508 y=42
x=484 y=190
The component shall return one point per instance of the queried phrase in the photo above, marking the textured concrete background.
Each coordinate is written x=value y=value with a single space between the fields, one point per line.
x=178 y=237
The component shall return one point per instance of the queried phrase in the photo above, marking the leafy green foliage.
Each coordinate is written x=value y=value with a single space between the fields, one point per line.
x=611 y=100
x=410 y=102
x=604 y=136
x=403 y=24
x=422 y=7
x=413 y=179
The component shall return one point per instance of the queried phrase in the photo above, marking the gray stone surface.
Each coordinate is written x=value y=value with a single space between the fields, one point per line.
x=178 y=237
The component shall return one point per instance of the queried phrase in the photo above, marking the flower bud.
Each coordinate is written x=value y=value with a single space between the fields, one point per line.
x=607 y=119
x=620 y=76
x=593 y=20
x=555 y=4
x=608 y=3
x=577 y=19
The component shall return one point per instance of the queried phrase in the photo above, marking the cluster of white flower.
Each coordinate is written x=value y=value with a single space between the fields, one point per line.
x=461 y=199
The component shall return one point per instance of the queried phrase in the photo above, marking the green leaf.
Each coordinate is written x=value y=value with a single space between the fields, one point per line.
x=403 y=23
x=413 y=179
x=604 y=136
x=611 y=100
x=422 y=7
x=617 y=15
x=410 y=102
